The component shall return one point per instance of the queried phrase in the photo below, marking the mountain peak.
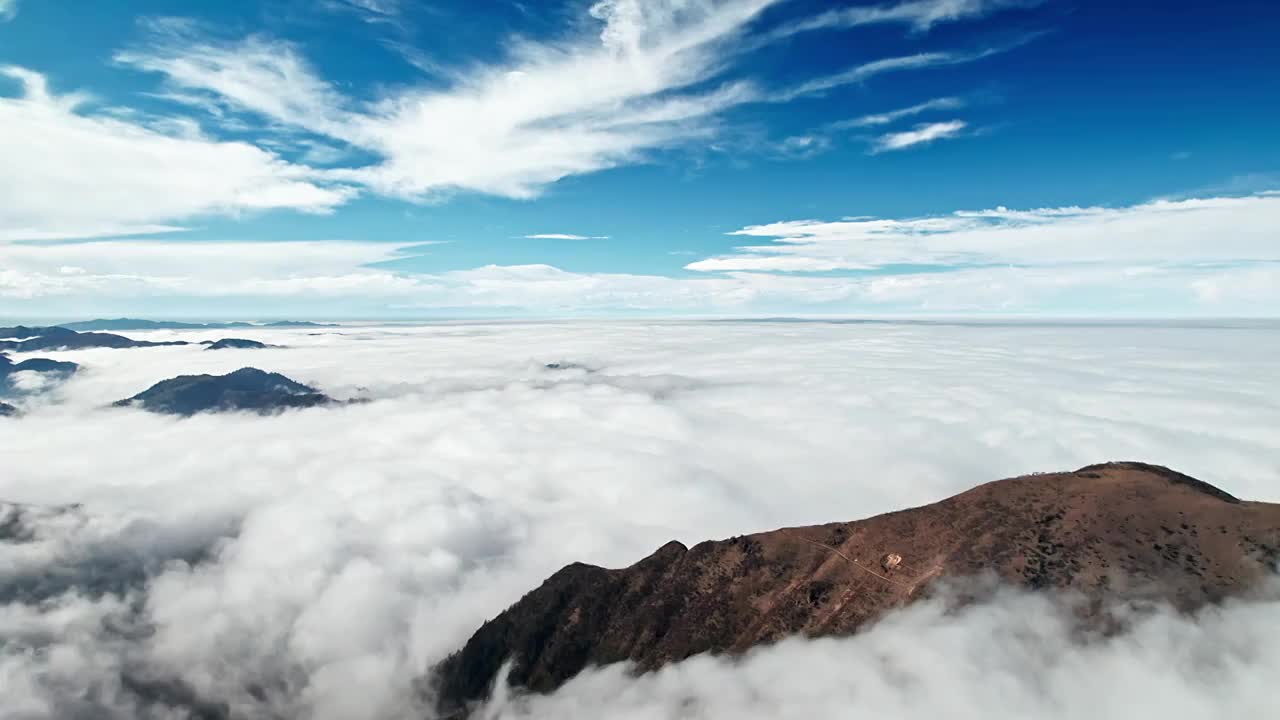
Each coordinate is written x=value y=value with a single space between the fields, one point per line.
x=1124 y=529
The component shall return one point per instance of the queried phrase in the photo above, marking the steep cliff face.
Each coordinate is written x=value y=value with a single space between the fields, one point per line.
x=1131 y=529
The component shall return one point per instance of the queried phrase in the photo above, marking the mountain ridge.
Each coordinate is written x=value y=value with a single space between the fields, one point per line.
x=1125 y=530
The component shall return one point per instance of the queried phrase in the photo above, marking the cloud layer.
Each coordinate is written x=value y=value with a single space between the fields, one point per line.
x=1197 y=230
x=1201 y=256
x=290 y=558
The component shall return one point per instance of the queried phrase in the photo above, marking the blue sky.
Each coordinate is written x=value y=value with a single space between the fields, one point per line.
x=387 y=158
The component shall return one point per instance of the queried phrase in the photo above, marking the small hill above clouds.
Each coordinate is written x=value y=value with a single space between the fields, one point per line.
x=29 y=339
x=12 y=384
x=235 y=343
x=245 y=389
x=1125 y=530
x=40 y=365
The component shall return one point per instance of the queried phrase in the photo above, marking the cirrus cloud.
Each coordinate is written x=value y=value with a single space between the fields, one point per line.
x=650 y=77
x=922 y=134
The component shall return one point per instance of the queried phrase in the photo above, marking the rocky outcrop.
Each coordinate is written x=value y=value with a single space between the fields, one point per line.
x=1113 y=530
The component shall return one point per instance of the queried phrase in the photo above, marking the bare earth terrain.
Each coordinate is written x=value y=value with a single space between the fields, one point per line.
x=1118 y=530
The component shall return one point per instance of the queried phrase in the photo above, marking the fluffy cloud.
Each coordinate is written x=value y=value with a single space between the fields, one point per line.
x=357 y=280
x=75 y=174
x=155 y=268
x=1248 y=285
x=289 y=557
x=1199 y=230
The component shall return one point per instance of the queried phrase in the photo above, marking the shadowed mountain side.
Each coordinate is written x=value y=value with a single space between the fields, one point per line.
x=1128 y=529
x=40 y=365
x=7 y=410
x=48 y=370
x=245 y=389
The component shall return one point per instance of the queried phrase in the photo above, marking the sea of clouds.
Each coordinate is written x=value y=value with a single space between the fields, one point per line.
x=316 y=563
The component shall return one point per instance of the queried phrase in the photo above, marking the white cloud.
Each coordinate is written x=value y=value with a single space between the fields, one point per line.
x=921 y=15
x=650 y=78
x=74 y=174
x=259 y=74
x=548 y=111
x=802 y=146
x=348 y=279
x=1139 y=260
x=886 y=118
x=114 y=269
x=1179 y=232
x=371 y=11
x=1258 y=286
x=293 y=556
x=920 y=135
x=865 y=71
x=565 y=236
x=636 y=79
x=8 y=9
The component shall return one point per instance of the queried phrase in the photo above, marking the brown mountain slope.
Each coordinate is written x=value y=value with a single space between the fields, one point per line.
x=1129 y=528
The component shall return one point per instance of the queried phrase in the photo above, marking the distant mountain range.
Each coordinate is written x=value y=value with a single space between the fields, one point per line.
x=30 y=339
x=248 y=389
x=1113 y=531
x=136 y=324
